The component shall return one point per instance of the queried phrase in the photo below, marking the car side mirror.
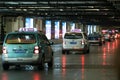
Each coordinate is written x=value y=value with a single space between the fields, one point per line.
x=51 y=43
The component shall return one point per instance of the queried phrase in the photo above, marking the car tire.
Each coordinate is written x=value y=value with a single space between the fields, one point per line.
x=100 y=44
x=63 y=51
x=84 y=50
x=50 y=64
x=88 y=51
x=67 y=52
x=5 y=66
x=41 y=65
x=103 y=42
x=110 y=40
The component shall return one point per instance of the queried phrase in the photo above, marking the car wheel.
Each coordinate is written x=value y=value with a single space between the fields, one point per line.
x=110 y=40
x=88 y=51
x=100 y=44
x=63 y=51
x=67 y=52
x=17 y=66
x=85 y=50
x=103 y=42
x=5 y=66
x=50 y=64
x=41 y=65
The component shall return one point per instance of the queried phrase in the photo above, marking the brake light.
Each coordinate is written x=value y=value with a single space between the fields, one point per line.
x=64 y=42
x=36 y=50
x=4 y=50
x=82 y=42
x=98 y=38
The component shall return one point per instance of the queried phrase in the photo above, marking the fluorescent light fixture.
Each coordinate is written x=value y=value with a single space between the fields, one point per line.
x=95 y=28
x=48 y=28
x=63 y=28
x=57 y=25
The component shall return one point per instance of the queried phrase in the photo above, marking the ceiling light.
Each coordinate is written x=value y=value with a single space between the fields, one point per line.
x=24 y=9
x=61 y=9
x=11 y=7
x=46 y=13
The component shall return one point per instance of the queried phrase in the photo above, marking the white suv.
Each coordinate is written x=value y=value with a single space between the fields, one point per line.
x=75 y=41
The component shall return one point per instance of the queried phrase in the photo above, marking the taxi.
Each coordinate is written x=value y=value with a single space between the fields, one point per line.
x=26 y=47
x=75 y=41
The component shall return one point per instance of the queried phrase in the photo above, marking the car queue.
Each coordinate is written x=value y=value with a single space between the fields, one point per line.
x=28 y=46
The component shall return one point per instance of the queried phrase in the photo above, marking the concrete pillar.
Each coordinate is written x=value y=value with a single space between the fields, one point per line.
x=60 y=30
x=0 y=24
x=52 y=29
x=82 y=27
x=15 y=25
x=97 y=28
x=92 y=28
x=38 y=23
x=20 y=22
x=68 y=27
x=76 y=26
x=8 y=24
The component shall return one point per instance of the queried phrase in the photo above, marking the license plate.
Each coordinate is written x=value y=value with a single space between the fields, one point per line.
x=19 y=51
x=73 y=42
x=19 y=59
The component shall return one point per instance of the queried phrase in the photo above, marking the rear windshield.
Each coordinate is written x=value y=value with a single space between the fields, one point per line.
x=73 y=36
x=20 y=39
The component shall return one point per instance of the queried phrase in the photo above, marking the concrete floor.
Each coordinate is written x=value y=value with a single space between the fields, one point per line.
x=97 y=65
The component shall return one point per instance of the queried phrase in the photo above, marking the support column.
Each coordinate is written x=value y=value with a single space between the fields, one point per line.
x=76 y=26
x=2 y=28
x=52 y=29
x=68 y=27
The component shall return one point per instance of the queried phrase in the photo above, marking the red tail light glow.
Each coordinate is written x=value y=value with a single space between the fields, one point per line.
x=36 y=50
x=36 y=47
x=4 y=50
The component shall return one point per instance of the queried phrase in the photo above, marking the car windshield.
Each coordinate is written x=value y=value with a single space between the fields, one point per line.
x=73 y=36
x=20 y=39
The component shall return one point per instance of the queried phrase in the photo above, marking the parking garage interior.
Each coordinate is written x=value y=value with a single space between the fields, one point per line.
x=55 y=18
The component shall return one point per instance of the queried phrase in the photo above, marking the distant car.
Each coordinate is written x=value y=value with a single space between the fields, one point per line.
x=96 y=39
x=75 y=41
x=26 y=48
x=108 y=37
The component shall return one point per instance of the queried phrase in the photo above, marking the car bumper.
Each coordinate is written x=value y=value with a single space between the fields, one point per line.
x=80 y=49
x=95 y=41
x=20 y=61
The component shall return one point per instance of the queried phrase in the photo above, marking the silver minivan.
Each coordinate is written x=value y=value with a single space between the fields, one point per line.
x=75 y=41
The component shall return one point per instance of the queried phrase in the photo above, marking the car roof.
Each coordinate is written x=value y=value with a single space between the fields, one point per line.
x=73 y=32
x=24 y=32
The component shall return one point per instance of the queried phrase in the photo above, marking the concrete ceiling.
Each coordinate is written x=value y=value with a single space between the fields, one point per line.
x=99 y=12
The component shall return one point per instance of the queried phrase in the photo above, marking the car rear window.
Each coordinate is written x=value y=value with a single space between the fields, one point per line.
x=73 y=36
x=20 y=39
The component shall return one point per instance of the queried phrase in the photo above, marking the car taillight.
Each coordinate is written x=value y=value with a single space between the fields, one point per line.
x=98 y=38
x=82 y=42
x=36 y=50
x=64 y=42
x=4 y=50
